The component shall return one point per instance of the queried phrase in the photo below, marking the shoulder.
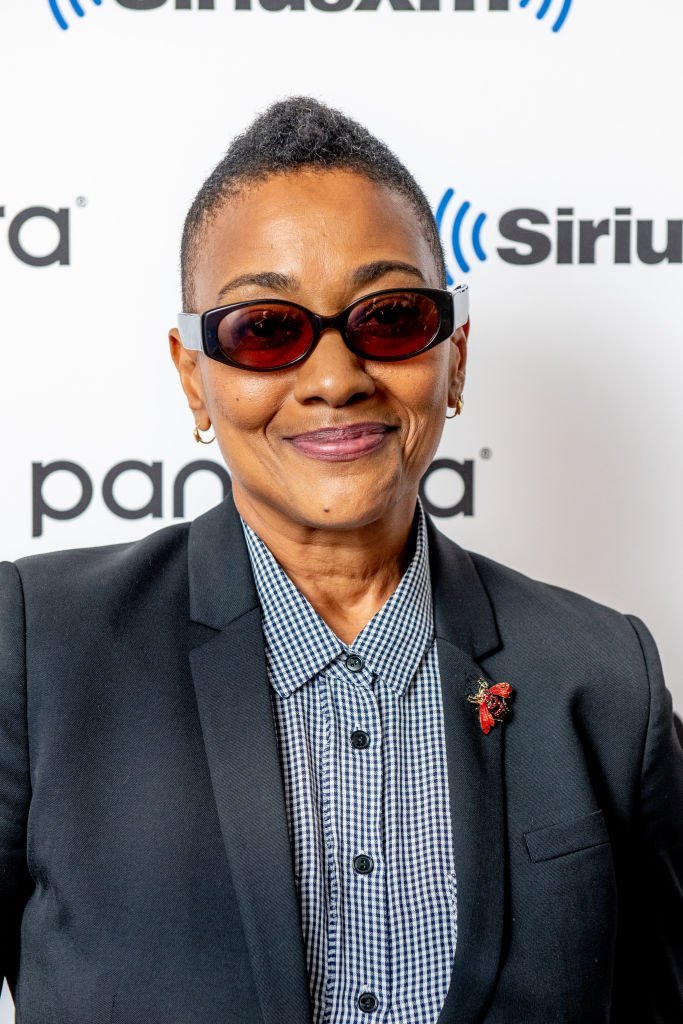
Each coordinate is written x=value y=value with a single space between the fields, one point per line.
x=86 y=576
x=555 y=624
x=516 y=593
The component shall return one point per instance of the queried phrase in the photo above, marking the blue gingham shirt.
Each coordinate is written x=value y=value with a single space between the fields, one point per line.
x=369 y=817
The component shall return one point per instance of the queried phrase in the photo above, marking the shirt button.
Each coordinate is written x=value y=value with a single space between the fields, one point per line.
x=360 y=740
x=363 y=864
x=354 y=663
x=368 y=1002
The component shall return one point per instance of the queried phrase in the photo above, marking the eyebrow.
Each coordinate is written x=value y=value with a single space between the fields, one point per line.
x=366 y=274
x=371 y=272
x=266 y=279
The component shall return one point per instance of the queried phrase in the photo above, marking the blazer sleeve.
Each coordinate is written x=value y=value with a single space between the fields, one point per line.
x=15 y=786
x=656 y=938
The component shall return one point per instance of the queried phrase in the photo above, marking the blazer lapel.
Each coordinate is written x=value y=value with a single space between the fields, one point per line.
x=233 y=697
x=466 y=631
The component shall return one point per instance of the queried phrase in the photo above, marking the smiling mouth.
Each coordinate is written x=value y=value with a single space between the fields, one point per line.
x=341 y=444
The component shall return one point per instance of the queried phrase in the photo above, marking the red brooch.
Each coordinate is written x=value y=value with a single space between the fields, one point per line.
x=491 y=701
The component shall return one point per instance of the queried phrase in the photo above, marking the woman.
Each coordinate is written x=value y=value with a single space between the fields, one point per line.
x=305 y=759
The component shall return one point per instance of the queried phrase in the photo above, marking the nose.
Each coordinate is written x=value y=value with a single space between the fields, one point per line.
x=332 y=373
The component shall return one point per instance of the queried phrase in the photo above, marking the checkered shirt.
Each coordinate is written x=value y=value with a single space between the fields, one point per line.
x=368 y=816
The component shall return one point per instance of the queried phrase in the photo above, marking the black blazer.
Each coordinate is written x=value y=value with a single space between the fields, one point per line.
x=145 y=866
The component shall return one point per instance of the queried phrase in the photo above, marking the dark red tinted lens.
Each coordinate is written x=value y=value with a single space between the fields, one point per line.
x=394 y=325
x=265 y=335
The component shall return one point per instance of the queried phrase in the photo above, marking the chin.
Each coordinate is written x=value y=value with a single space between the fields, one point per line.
x=340 y=512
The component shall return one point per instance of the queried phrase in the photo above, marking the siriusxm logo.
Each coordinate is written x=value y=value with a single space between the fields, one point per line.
x=553 y=12
x=562 y=237
x=39 y=236
x=560 y=12
x=74 y=9
x=454 y=243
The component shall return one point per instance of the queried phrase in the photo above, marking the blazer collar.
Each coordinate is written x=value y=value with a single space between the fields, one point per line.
x=463 y=613
x=229 y=673
x=221 y=581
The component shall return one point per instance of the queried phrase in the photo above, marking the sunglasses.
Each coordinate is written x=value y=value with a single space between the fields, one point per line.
x=272 y=334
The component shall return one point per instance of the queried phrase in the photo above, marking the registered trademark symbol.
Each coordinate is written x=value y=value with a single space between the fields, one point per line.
x=81 y=201
x=486 y=453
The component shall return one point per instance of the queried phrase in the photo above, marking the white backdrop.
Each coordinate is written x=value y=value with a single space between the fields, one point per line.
x=573 y=420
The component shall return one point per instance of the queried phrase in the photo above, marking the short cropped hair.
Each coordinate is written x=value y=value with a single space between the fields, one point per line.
x=294 y=133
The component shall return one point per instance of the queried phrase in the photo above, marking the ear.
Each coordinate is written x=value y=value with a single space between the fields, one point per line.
x=188 y=367
x=457 y=363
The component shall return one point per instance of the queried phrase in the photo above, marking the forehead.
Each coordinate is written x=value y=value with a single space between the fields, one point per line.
x=312 y=226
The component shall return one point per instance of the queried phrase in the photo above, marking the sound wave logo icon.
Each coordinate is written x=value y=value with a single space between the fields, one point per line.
x=459 y=230
x=76 y=7
x=544 y=11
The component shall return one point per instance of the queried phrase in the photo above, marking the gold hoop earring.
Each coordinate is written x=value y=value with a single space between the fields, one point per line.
x=458 y=409
x=195 y=434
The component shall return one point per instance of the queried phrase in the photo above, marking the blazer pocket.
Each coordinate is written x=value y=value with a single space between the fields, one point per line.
x=567 y=836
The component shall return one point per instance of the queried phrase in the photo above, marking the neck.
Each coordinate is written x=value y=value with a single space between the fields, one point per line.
x=346 y=575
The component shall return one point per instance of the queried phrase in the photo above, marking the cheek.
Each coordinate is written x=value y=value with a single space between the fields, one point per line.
x=419 y=385
x=242 y=401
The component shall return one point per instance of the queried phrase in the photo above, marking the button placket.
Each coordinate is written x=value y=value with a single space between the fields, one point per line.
x=364 y=849
x=368 y=860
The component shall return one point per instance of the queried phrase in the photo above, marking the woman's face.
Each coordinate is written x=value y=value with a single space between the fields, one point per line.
x=323 y=239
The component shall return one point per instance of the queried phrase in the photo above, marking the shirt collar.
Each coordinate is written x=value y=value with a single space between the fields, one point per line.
x=299 y=643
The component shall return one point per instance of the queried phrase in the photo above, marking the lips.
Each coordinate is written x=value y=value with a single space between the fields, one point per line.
x=340 y=444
